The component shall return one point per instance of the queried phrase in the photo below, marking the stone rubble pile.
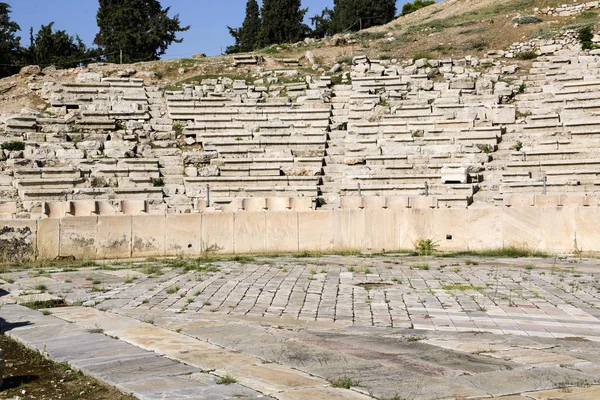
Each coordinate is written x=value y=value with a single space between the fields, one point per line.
x=567 y=10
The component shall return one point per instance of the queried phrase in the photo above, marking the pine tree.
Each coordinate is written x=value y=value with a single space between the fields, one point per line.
x=282 y=22
x=142 y=29
x=57 y=48
x=361 y=14
x=246 y=37
x=10 y=44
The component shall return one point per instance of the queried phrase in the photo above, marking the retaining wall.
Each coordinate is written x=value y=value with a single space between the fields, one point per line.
x=552 y=229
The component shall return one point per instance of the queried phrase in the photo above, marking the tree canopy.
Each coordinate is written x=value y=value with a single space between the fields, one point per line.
x=57 y=48
x=10 y=44
x=282 y=22
x=353 y=15
x=361 y=14
x=415 y=5
x=142 y=29
x=246 y=37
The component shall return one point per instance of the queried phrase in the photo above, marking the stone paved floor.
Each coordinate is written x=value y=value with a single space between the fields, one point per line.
x=410 y=327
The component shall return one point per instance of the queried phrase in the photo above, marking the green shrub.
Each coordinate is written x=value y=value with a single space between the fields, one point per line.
x=158 y=182
x=478 y=45
x=526 y=19
x=585 y=37
x=527 y=55
x=13 y=146
x=587 y=15
x=426 y=247
x=344 y=383
x=178 y=129
x=414 y=6
x=345 y=60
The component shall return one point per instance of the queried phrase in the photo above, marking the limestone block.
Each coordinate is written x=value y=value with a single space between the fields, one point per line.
x=82 y=208
x=191 y=172
x=48 y=231
x=79 y=237
x=148 y=235
x=278 y=203
x=381 y=233
x=413 y=225
x=114 y=236
x=134 y=207
x=56 y=209
x=8 y=209
x=348 y=229
x=234 y=206
x=218 y=232
x=69 y=154
x=300 y=203
x=450 y=228
x=394 y=202
x=315 y=231
x=557 y=229
x=373 y=202
x=423 y=202
x=250 y=230
x=350 y=202
x=587 y=229
x=105 y=208
x=546 y=200
x=519 y=200
x=484 y=228
x=183 y=236
x=454 y=173
x=91 y=77
x=281 y=231
x=521 y=227
x=501 y=114
x=254 y=204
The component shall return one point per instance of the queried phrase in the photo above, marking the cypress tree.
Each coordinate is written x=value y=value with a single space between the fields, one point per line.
x=246 y=37
x=250 y=27
x=282 y=22
x=142 y=29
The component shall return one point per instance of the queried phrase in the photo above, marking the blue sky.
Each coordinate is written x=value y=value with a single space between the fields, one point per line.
x=208 y=20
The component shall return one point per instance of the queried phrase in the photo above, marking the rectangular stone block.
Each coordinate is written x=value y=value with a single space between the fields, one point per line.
x=450 y=228
x=413 y=224
x=557 y=229
x=48 y=238
x=114 y=236
x=315 y=231
x=217 y=232
x=250 y=228
x=148 y=235
x=281 y=232
x=349 y=229
x=484 y=229
x=79 y=237
x=381 y=233
x=183 y=236
x=587 y=229
x=521 y=227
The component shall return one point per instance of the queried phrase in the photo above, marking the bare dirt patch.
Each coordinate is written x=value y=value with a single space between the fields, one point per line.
x=29 y=375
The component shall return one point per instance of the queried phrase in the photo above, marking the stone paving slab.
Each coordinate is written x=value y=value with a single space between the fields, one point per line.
x=412 y=327
x=129 y=368
x=264 y=377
